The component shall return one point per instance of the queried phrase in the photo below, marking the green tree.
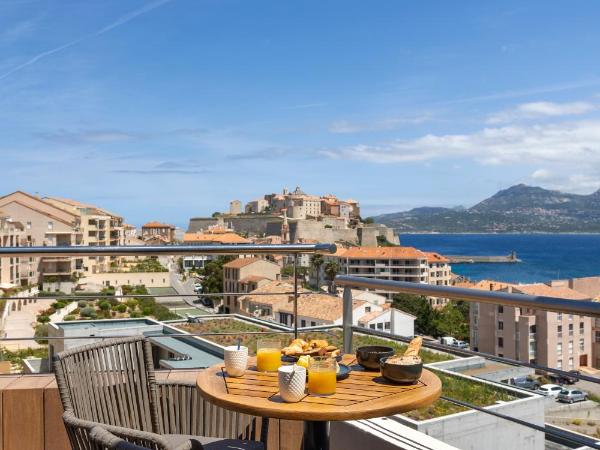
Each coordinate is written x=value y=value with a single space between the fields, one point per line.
x=451 y=321
x=426 y=317
x=331 y=269
x=368 y=220
x=316 y=261
x=104 y=305
x=213 y=275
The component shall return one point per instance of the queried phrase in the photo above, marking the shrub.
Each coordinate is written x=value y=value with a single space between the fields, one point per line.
x=135 y=315
x=132 y=303
x=41 y=330
x=121 y=308
x=58 y=305
x=43 y=319
x=82 y=303
x=104 y=305
x=88 y=311
x=69 y=317
x=576 y=421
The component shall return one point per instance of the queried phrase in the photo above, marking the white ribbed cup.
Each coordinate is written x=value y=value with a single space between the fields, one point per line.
x=236 y=360
x=292 y=383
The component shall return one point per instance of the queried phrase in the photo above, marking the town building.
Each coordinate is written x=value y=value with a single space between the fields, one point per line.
x=440 y=274
x=153 y=229
x=257 y=206
x=129 y=231
x=558 y=340
x=245 y=275
x=213 y=235
x=15 y=272
x=235 y=207
x=390 y=320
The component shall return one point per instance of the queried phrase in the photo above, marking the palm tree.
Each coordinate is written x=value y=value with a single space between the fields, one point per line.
x=331 y=269
x=316 y=261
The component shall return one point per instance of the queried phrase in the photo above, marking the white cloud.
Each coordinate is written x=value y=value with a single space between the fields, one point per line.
x=569 y=142
x=536 y=110
x=542 y=175
x=347 y=127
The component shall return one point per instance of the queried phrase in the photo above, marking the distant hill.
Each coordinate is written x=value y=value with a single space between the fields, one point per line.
x=519 y=209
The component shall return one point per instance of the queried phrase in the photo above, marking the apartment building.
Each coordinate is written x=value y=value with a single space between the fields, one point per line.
x=154 y=229
x=46 y=225
x=265 y=305
x=383 y=263
x=14 y=272
x=558 y=340
x=99 y=227
x=245 y=275
x=440 y=274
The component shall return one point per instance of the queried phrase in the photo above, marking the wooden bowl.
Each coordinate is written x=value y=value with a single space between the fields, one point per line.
x=369 y=355
x=401 y=373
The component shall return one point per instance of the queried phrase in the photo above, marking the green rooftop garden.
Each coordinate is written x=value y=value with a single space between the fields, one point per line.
x=459 y=388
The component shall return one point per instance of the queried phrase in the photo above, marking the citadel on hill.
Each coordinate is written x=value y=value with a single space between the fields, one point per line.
x=299 y=217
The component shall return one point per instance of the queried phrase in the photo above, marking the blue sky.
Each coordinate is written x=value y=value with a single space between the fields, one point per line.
x=169 y=109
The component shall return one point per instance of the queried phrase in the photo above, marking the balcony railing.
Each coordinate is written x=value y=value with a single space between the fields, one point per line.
x=348 y=283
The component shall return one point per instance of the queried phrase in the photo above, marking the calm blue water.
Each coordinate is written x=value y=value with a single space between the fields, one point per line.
x=545 y=256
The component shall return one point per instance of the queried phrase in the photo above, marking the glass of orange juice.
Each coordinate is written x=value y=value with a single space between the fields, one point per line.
x=268 y=355
x=322 y=375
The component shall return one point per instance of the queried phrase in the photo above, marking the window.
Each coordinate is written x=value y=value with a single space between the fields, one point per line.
x=559 y=330
x=532 y=329
x=570 y=363
x=388 y=325
x=559 y=364
x=559 y=349
x=367 y=309
x=303 y=323
x=581 y=327
x=372 y=326
x=581 y=344
x=570 y=347
x=313 y=324
x=500 y=325
x=500 y=342
x=500 y=309
x=570 y=316
x=570 y=329
x=28 y=225
x=51 y=225
x=559 y=316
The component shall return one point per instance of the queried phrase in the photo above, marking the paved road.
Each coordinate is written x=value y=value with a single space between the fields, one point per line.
x=182 y=287
x=20 y=324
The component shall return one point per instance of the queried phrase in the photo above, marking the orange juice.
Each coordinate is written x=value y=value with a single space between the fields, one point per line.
x=268 y=359
x=321 y=381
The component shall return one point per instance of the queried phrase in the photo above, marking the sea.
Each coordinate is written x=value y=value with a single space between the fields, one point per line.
x=544 y=256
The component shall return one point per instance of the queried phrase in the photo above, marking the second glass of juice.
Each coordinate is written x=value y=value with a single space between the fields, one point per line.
x=268 y=355
x=322 y=375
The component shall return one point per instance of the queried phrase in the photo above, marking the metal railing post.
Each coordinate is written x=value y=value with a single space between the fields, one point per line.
x=295 y=296
x=347 y=320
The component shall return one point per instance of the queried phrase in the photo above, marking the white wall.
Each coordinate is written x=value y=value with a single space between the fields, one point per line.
x=148 y=279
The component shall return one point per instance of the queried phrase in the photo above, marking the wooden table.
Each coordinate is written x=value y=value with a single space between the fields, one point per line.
x=363 y=395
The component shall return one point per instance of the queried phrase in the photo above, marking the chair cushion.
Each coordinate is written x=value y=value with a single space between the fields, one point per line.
x=209 y=443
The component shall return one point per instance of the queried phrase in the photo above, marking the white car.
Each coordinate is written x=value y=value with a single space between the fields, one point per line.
x=197 y=287
x=549 y=390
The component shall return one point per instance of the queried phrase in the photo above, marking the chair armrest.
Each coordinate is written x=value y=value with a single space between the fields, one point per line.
x=80 y=435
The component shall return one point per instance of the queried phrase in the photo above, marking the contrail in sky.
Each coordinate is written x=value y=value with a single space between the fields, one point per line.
x=117 y=23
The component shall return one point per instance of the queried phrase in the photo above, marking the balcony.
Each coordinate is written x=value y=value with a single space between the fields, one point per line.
x=510 y=417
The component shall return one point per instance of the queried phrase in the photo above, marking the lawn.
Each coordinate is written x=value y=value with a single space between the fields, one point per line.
x=458 y=388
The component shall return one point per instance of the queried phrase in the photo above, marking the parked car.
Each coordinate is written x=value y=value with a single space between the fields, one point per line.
x=571 y=396
x=197 y=287
x=525 y=383
x=549 y=390
x=449 y=340
x=461 y=344
x=563 y=379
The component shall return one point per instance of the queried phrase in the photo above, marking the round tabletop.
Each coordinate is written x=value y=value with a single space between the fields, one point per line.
x=363 y=395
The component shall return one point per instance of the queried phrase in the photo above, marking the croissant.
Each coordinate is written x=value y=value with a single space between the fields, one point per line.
x=318 y=343
x=292 y=350
x=301 y=343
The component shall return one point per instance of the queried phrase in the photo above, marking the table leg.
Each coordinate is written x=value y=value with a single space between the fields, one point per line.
x=316 y=435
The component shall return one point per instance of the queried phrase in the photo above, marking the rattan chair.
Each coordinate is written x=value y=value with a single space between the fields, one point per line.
x=113 y=384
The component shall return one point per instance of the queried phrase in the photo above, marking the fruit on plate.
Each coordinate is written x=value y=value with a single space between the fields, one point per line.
x=303 y=361
x=315 y=347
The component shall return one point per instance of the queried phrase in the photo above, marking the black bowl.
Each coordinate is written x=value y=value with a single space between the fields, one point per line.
x=401 y=373
x=369 y=355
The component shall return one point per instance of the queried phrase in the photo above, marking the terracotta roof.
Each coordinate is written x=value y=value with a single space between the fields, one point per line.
x=383 y=253
x=157 y=225
x=270 y=298
x=540 y=289
x=433 y=257
x=238 y=263
x=253 y=279
x=320 y=306
x=488 y=285
x=217 y=238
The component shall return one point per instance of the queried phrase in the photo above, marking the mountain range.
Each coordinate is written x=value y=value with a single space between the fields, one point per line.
x=518 y=209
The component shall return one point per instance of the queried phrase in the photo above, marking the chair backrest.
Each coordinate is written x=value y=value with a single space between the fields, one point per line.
x=110 y=382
